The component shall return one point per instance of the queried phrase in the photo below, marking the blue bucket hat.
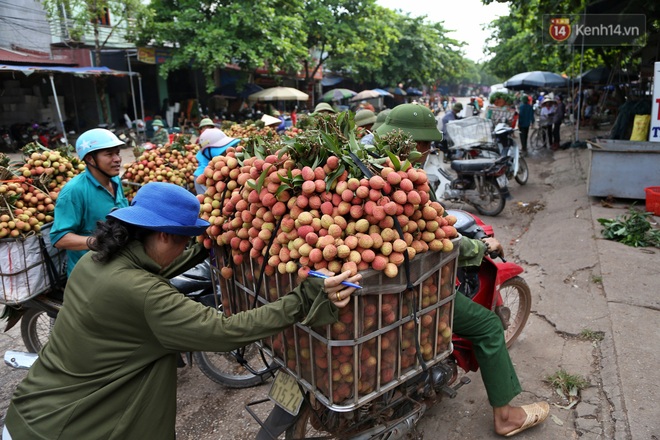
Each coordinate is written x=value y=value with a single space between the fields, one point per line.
x=164 y=207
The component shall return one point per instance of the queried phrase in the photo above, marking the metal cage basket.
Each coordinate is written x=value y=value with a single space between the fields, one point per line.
x=371 y=349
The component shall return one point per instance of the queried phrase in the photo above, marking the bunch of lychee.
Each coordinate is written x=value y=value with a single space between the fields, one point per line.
x=349 y=223
x=163 y=164
x=27 y=198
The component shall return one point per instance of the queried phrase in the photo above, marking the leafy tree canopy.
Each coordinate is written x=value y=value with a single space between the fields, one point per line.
x=417 y=52
x=210 y=34
x=357 y=37
x=517 y=42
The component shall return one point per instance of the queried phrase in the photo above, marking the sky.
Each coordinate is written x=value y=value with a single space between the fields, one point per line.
x=465 y=17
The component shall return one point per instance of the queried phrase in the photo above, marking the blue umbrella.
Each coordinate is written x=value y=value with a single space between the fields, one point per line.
x=397 y=91
x=535 y=79
x=382 y=92
x=414 y=91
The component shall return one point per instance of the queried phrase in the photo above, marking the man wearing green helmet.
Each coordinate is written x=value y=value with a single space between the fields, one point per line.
x=417 y=121
x=323 y=108
x=480 y=326
x=160 y=137
x=90 y=196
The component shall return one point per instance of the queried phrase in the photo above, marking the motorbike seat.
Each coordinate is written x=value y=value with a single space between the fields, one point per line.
x=471 y=165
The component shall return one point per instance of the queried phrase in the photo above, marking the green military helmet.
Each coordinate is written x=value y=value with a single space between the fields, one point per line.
x=157 y=123
x=324 y=107
x=380 y=119
x=206 y=122
x=457 y=107
x=364 y=117
x=413 y=119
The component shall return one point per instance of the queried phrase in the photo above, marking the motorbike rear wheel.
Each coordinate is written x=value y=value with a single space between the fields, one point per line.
x=36 y=326
x=224 y=368
x=517 y=297
x=492 y=202
x=523 y=171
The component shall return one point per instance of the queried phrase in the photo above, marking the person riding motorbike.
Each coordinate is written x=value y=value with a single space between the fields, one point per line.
x=109 y=367
x=449 y=116
x=479 y=325
x=90 y=196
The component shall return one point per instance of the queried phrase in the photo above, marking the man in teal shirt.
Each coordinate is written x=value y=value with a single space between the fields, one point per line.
x=90 y=196
x=525 y=120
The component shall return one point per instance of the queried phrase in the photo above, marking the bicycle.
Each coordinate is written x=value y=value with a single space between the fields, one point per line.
x=538 y=138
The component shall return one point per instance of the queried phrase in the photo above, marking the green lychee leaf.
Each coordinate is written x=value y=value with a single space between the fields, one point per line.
x=395 y=160
x=330 y=178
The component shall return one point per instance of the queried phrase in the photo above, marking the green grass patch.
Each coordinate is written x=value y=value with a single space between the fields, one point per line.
x=567 y=385
x=591 y=335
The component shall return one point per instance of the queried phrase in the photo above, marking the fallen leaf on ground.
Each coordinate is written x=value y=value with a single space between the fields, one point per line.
x=557 y=420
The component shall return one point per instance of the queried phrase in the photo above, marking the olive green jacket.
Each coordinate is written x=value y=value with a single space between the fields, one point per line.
x=471 y=252
x=109 y=368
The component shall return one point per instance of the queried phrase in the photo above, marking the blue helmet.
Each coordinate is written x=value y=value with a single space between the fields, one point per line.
x=96 y=139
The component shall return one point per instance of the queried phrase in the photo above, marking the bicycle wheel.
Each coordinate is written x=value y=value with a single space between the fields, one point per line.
x=517 y=304
x=532 y=140
x=225 y=369
x=36 y=326
x=523 y=171
x=536 y=141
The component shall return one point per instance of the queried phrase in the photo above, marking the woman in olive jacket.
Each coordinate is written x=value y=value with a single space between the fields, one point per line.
x=108 y=370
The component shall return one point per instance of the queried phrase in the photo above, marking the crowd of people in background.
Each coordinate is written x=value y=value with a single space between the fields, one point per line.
x=547 y=110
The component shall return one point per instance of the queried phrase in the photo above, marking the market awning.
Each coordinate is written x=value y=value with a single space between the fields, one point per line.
x=18 y=56
x=81 y=71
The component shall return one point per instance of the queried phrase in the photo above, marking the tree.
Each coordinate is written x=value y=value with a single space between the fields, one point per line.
x=208 y=35
x=421 y=55
x=518 y=46
x=105 y=20
x=348 y=34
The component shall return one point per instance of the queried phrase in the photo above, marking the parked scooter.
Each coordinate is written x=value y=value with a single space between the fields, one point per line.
x=237 y=369
x=499 y=142
x=395 y=414
x=506 y=146
x=479 y=182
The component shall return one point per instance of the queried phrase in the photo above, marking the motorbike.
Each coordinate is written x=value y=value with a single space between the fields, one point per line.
x=506 y=146
x=394 y=415
x=49 y=136
x=240 y=368
x=503 y=145
x=480 y=182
